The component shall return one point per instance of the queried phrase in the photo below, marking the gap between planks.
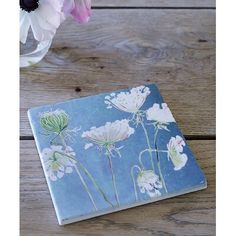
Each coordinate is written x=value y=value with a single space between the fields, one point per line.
x=157 y=8
x=187 y=137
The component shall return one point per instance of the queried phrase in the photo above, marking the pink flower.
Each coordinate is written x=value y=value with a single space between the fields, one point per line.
x=80 y=10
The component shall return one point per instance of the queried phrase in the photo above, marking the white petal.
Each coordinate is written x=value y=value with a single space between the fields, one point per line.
x=24 y=27
x=158 y=184
x=50 y=15
x=142 y=190
x=180 y=140
x=44 y=24
x=184 y=159
x=158 y=193
x=69 y=170
x=37 y=31
x=87 y=146
x=22 y=15
x=56 y=148
x=57 y=4
x=52 y=176
x=60 y=174
x=151 y=194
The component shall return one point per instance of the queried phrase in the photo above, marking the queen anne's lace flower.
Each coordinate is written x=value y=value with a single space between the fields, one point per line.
x=106 y=136
x=130 y=101
x=175 y=147
x=54 y=121
x=160 y=114
x=43 y=16
x=58 y=161
x=149 y=183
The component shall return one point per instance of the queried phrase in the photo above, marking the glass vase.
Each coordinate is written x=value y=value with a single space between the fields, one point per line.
x=33 y=51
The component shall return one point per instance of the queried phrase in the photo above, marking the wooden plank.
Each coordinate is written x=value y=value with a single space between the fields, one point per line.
x=154 y=3
x=190 y=214
x=125 y=48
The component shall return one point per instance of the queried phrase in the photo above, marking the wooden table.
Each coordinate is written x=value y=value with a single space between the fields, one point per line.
x=128 y=43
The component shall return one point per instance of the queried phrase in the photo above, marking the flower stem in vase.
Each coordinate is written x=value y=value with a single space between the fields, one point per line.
x=113 y=179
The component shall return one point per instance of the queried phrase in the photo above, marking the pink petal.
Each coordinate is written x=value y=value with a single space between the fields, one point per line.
x=82 y=10
x=68 y=6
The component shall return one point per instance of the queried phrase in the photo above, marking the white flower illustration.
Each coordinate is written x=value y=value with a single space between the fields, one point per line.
x=149 y=183
x=160 y=114
x=130 y=101
x=54 y=121
x=58 y=161
x=106 y=136
x=175 y=147
x=57 y=121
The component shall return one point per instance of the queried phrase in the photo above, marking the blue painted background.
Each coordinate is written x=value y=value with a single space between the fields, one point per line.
x=70 y=198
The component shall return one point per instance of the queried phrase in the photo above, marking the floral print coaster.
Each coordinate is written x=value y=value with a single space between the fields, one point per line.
x=109 y=152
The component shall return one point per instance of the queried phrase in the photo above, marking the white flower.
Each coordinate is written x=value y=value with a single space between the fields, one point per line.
x=43 y=16
x=149 y=182
x=175 y=147
x=107 y=135
x=130 y=101
x=88 y=145
x=58 y=161
x=160 y=114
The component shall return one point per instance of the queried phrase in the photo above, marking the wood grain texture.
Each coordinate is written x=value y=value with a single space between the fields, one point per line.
x=190 y=214
x=123 y=48
x=154 y=3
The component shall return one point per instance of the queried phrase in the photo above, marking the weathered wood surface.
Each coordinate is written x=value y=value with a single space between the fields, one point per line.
x=123 y=48
x=154 y=3
x=190 y=214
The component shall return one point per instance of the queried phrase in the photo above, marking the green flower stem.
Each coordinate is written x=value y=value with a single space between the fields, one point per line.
x=81 y=178
x=86 y=187
x=63 y=154
x=159 y=162
x=148 y=143
x=89 y=175
x=132 y=174
x=161 y=176
x=95 y=183
x=141 y=155
x=63 y=140
x=113 y=180
x=52 y=140
x=164 y=151
x=155 y=136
